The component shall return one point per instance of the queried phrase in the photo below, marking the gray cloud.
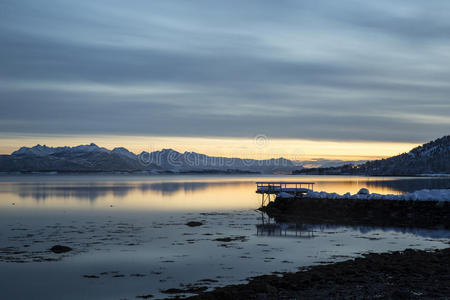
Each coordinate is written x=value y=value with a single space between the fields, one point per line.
x=310 y=69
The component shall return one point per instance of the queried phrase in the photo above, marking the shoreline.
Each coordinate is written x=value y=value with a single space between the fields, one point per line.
x=408 y=274
x=368 y=212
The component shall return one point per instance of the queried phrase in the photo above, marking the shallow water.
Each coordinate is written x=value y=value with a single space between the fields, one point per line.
x=129 y=234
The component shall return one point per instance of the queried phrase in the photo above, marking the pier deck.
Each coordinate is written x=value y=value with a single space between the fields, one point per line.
x=268 y=188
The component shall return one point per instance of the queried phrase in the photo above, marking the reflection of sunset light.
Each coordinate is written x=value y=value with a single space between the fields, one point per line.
x=156 y=194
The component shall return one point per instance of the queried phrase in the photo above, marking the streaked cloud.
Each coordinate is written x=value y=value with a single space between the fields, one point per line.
x=326 y=70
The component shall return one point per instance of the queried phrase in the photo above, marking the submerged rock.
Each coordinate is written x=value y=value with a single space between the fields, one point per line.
x=231 y=239
x=145 y=296
x=194 y=224
x=60 y=249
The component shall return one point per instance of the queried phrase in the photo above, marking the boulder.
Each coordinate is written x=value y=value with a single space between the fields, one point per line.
x=363 y=191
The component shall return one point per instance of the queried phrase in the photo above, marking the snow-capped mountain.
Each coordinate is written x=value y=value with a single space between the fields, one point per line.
x=40 y=150
x=37 y=150
x=191 y=161
x=432 y=157
x=82 y=158
x=92 y=158
x=125 y=152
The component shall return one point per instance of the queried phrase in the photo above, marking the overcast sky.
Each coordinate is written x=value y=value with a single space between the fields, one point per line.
x=331 y=70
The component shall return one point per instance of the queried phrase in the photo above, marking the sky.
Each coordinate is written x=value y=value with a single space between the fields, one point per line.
x=313 y=78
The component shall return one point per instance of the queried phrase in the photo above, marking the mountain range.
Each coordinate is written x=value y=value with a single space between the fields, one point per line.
x=430 y=158
x=92 y=158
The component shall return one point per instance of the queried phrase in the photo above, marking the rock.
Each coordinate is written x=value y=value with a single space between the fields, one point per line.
x=60 y=249
x=231 y=239
x=145 y=296
x=194 y=224
x=363 y=191
x=398 y=275
x=191 y=289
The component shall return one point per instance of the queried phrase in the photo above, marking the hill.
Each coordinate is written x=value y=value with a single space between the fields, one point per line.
x=430 y=158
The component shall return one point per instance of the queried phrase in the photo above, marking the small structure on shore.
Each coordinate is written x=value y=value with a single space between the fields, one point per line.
x=286 y=189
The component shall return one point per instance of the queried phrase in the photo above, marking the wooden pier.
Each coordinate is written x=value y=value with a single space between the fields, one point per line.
x=269 y=188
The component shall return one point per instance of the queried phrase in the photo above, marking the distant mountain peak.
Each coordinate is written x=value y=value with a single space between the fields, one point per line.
x=124 y=151
x=168 y=150
x=37 y=150
x=120 y=149
x=43 y=150
x=91 y=157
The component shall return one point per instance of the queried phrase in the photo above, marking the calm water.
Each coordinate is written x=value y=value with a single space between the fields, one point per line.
x=129 y=233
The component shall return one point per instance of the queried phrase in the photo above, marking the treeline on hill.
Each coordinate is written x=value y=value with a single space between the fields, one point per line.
x=430 y=158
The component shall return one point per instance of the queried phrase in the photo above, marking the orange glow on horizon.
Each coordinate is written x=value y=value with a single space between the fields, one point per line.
x=259 y=148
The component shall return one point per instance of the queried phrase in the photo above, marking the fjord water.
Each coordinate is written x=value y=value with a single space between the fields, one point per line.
x=129 y=236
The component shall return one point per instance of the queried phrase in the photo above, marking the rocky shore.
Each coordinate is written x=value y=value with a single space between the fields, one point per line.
x=410 y=274
x=392 y=213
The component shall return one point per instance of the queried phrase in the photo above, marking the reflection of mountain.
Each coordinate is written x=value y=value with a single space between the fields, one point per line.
x=411 y=185
x=81 y=192
x=168 y=188
x=42 y=191
x=93 y=191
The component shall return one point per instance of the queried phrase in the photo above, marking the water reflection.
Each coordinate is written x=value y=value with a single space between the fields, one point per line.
x=42 y=191
x=121 y=226
x=412 y=184
x=295 y=227
x=189 y=192
x=269 y=227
